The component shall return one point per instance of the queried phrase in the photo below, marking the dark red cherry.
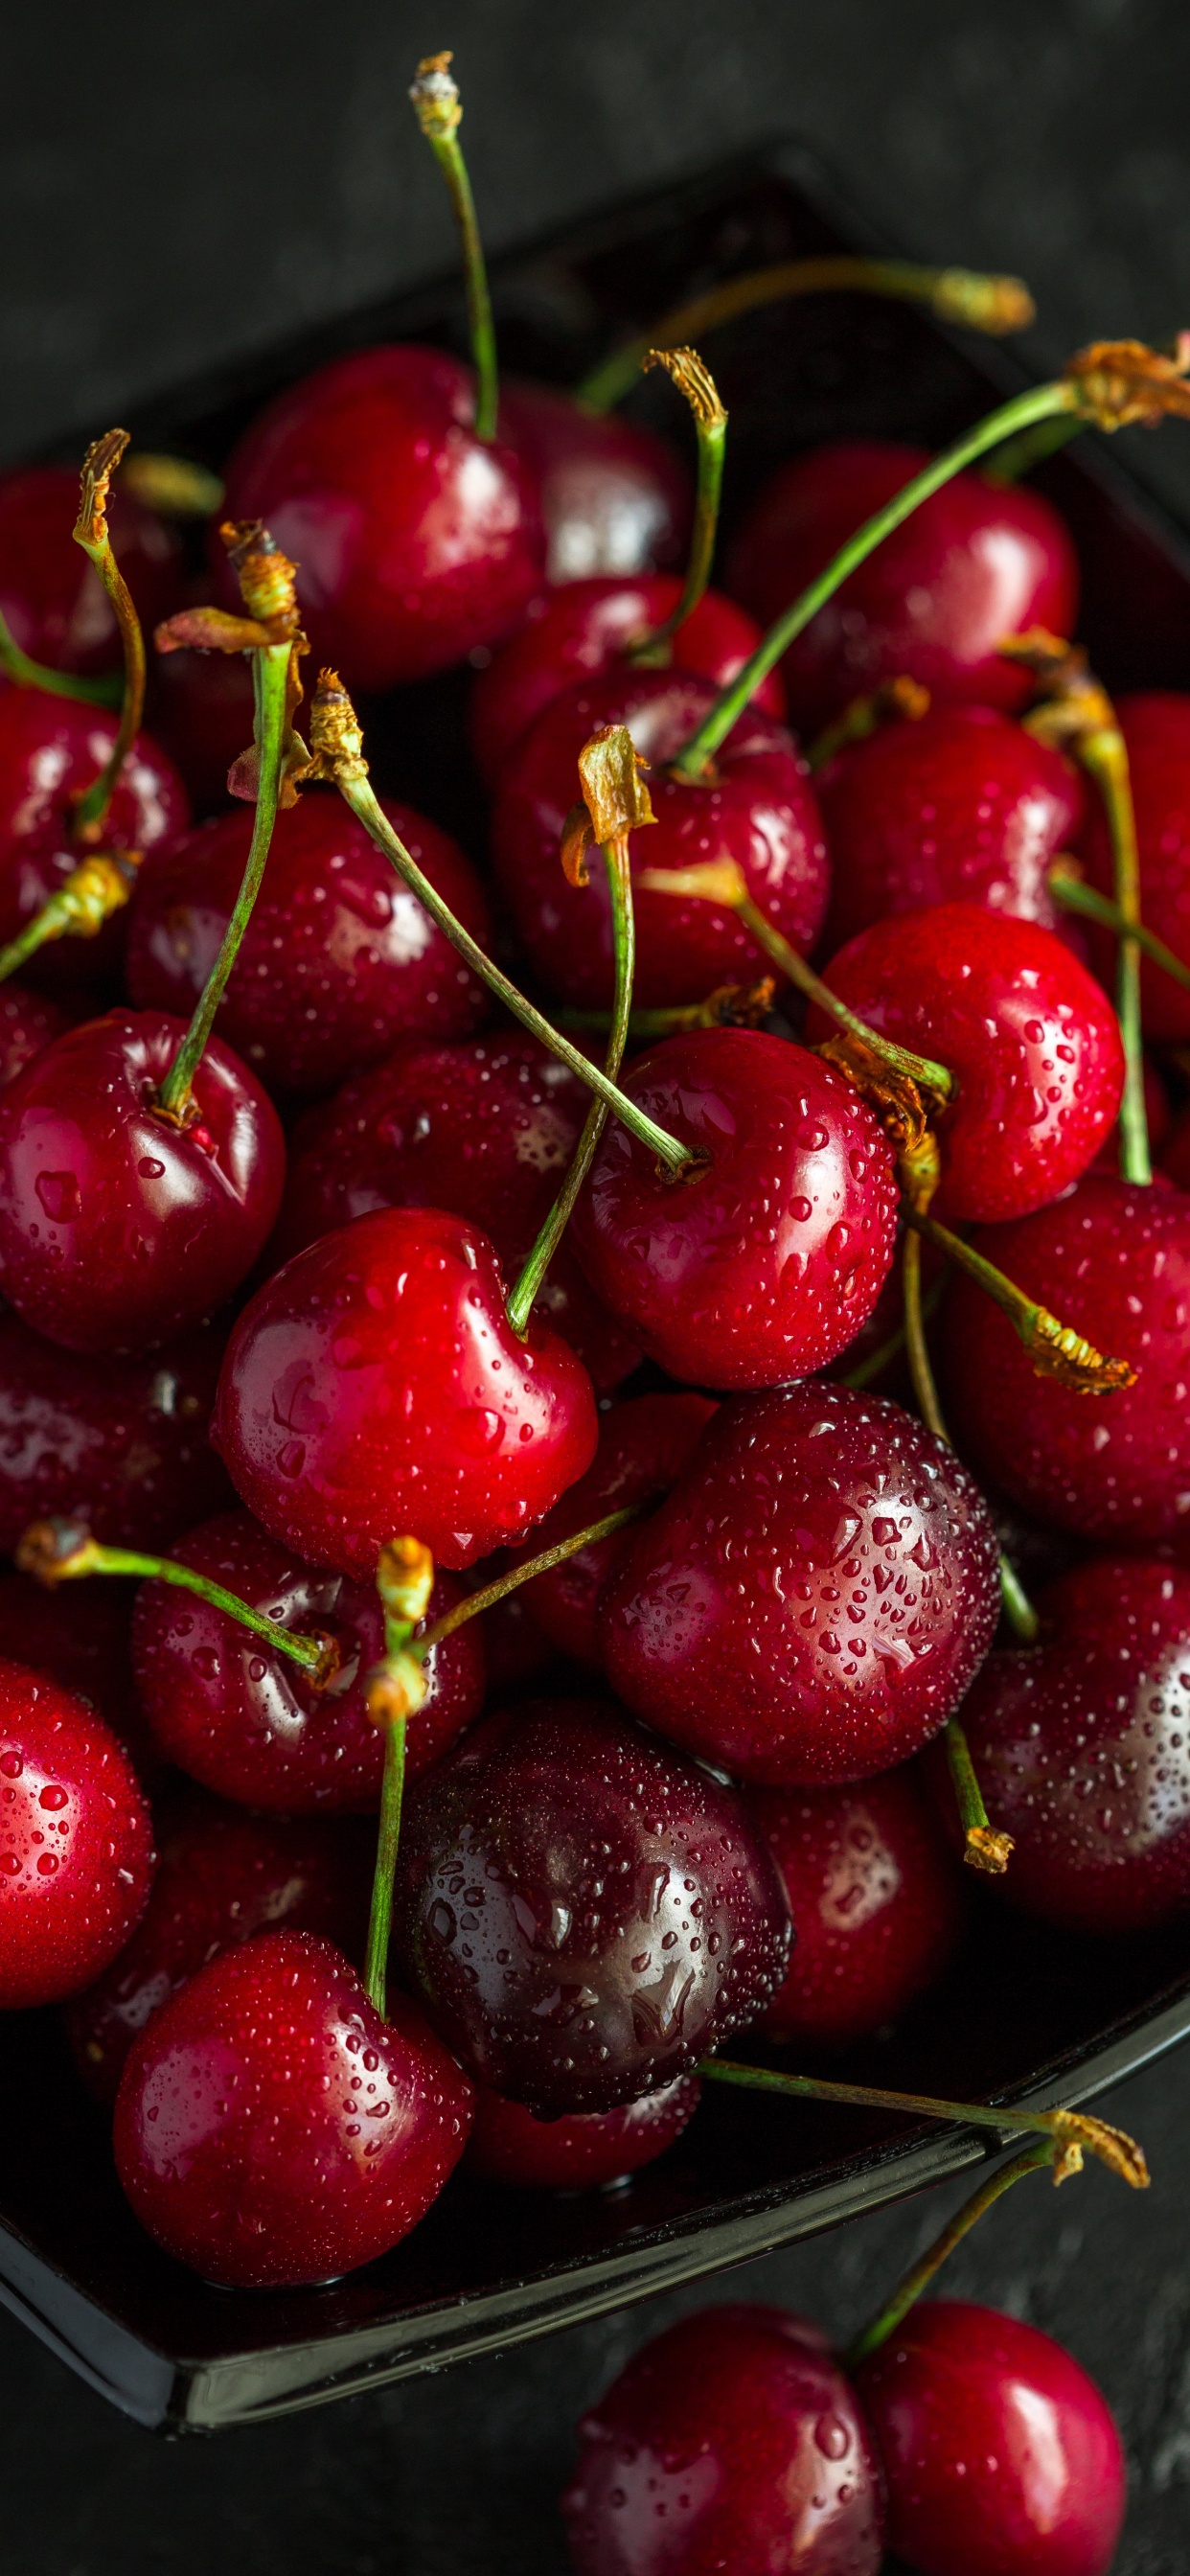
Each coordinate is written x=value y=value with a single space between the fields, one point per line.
x=124 y=1449
x=249 y=1723
x=732 y=2441
x=375 y=1386
x=644 y=1446
x=272 y=2130
x=815 y=1595
x=82 y=1643
x=487 y=1130
x=76 y=1842
x=508 y=2143
x=27 y=1023
x=963 y=806
x=757 y=808
x=582 y=629
x=118 y=1228
x=763 y=1261
x=338 y=961
x=581 y=1912
x=1113 y=1260
x=1031 y=1039
x=977 y=562
x=414 y=541
x=515 y=1650
x=200 y=711
x=613 y=497
x=51 y=597
x=1000 y=2456
x=1156 y=728
x=876 y=1900
x=50 y=750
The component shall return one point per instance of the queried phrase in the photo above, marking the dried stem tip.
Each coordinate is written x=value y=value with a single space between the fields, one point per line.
x=405 y=1580
x=1116 y=383
x=989 y=1851
x=396 y=1689
x=615 y=799
x=1121 y=2154
x=436 y=102
x=336 y=734
x=693 y=379
x=265 y=576
x=56 y=1550
x=992 y=304
x=99 y=465
x=1073 y=704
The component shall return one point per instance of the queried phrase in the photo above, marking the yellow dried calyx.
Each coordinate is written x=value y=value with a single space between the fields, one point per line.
x=615 y=799
x=436 y=102
x=692 y=378
x=99 y=464
x=1118 y=383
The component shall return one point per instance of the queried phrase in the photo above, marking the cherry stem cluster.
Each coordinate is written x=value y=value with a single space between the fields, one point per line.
x=1043 y=2154
x=438 y=109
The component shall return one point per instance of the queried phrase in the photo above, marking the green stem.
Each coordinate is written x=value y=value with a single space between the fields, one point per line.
x=983 y=1847
x=91 y=809
x=920 y=1070
x=475 y=1602
x=1075 y=896
x=77 y=909
x=106 y=691
x=1053 y=1347
x=56 y=1551
x=392 y=1795
x=1018 y=456
x=1069 y=2128
x=654 y=648
x=1104 y=754
x=1018 y=1608
x=438 y=111
x=1031 y=2159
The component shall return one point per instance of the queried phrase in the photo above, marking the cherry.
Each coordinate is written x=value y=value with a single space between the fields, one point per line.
x=756 y=807
x=52 y=600
x=581 y=1912
x=27 y=1023
x=644 y=1446
x=763 y=1261
x=1115 y=1257
x=1156 y=729
x=75 y=1841
x=338 y=961
x=375 y=1386
x=515 y=1650
x=1000 y=2456
x=962 y=806
x=1030 y=1038
x=51 y=749
x=123 y=1449
x=88 y=1653
x=250 y=1724
x=614 y=498
x=201 y=711
x=875 y=1898
x=733 y=2440
x=509 y=2144
x=415 y=541
x=975 y=563
x=814 y=1597
x=272 y=2130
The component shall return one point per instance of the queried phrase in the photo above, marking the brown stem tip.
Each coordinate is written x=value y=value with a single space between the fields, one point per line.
x=987 y=1850
x=99 y=465
x=266 y=577
x=1114 y=2148
x=615 y=799
x=1117 y=383
x=405 y=1579
x=336 y=734
x=436 y=102
x=693 y=379
x=54 y=1550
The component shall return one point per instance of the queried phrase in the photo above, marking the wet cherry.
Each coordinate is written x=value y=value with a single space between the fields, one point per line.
x=876 y=1900
x=644 y=1445
x=123 y=1449
x=52 y=599
x=51 y=749
x=588 y=2149
x=613 y=497
x=76 y=1844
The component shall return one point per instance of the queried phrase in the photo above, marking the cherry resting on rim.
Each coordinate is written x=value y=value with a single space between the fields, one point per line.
x=375 y=1385
x=51 y=597
x=815 y=1595
x=415 y=540
x=338 y=961
x=643 y=1447
x=251 y=1724
x=487 y=1131
x=271 y=2130
x=124 y=1449
x=614 y=498
x=876 y=1900
x=583 y=2152
x=76 y=1843
x=1031 y=1038
x=1156 y=729
x=758 y=808
x=1000 y=2456
x=51 y=748
x=731 y=2441
x=118 y=1227
x=581 y=1912
x=1117 y=1257
x=975 y=563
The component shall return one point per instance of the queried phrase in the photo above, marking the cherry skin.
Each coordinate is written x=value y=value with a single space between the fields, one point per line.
x=644 y=1446
x=76 y=1841
x=124 y=1450
x=85 y=1647
x=271 y=2130
x=613 y=497
x=580 y=1912
x=975 y=563
x=1029 y=1036
x=515 y=1650
x=962 y=806
x=876 y=1900
x=201 y=711
x=590 y=2149
x=119 y=1228
x=338 y=961
x=375 y=1386
x=52 y=599
x=27 y=1023
x=763 y=1261
x=814 y=1597
x=250 y=1724
x=758 y=808
x=51 y=749
x=1156 y=729
x=733 y=2440
x=1000 y=2456
x=415 y=542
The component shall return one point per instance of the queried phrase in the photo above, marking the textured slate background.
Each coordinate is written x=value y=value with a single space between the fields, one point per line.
x=188 y=182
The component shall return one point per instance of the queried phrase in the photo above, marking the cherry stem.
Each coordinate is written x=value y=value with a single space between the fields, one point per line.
x=392 y=1799
x=1075 y=896
x=91 y=533
x=710 y=430
x=176 y=487
x=105 y=691
x=77 y=909
x=1018 y=1609
x=1069 y=2128
x=730 y=1006
x=1054 y=1348
x=439 y=113
x=476 y=1602
x=903 y=699
x=992 y=304
x=396 y=1689
x=983 y=1848
x=1032 y=2159
x=1103 y=753
x=1018 y=456
x=59 y=1551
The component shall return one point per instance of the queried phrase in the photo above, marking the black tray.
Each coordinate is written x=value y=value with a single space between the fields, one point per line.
x=1027 y=2016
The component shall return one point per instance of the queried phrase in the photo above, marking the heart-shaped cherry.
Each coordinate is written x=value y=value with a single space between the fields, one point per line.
x=644 y=1446
x=51 y=598
x=613 y=497
x=1156 y=729
x=76 y=1843
x=581 y=2152
x=51 y=749
x=124 y=1449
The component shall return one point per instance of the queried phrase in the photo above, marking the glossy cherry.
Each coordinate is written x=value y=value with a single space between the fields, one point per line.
x=757 y=808
x=27 y=1023
x=123 y=1449
x=644 y=1445
x=733 y=2440
x=1156 y=728
x=613 y=497
x=876 y=1900
x=52 y=599
x=1030 y=1038
x=581 y=1912
x=375 y=1386
x=51 y=749
x=587 y=2150
x=977 y=562
x=1000 y=2456
x=76 y=1841
x=272 y=2130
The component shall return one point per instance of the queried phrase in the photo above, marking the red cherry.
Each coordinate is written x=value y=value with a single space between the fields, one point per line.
x=515 y=1651
x=758 y=808
x=123 y=1449
x=963 y=806
x=876 y=1901
x=614 y=498
x=117 y=1227
x=338 y=961
x=732 y=2441
x=1156 y=728
x=581 y=1912
x=977 y=562
x=814 y=1597
x=1000 y=2456
x=644 y=1446
x=1114 y=1260
x=272 y=2130
x=250 y=1724
x=50 y=594
x=509 y=2144
x=414 y=540
x=51 y=748
x=1030 y=1037
x=764 y=1261
x=375 y=1386
x=75 y=1841
x=27 y=1023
